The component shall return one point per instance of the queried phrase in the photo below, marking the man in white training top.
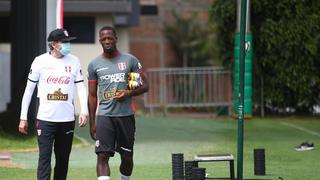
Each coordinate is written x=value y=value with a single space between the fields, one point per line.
x=55 y=73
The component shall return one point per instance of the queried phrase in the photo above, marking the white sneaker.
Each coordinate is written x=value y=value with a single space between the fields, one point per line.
x=305 y=146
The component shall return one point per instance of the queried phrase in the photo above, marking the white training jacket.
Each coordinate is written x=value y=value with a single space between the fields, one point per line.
x=56 y=79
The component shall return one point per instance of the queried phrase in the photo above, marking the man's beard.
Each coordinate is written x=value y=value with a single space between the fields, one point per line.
x=110 y=50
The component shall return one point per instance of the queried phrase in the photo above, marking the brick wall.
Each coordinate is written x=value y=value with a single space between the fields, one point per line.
x=148 y=43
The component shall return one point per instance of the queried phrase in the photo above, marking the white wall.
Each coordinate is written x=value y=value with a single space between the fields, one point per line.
x=5 y=94
x=5 y=48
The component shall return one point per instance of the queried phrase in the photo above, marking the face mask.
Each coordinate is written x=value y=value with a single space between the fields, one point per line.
x=65 y=48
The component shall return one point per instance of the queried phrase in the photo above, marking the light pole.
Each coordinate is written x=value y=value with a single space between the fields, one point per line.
x=243 y=50
x=248 y=64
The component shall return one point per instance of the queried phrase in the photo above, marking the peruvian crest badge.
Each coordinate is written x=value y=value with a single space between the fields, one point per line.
x=122 y=66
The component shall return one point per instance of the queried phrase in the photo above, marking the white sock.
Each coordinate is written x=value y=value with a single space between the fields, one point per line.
x=123 y=177
x=103 y=178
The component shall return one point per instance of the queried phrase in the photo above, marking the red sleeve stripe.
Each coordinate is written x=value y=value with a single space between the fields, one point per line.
x=132 y=105
x=92 y=81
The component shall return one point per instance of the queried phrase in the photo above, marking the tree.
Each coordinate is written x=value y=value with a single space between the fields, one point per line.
x=222 y=16
x=191 y=41
x=286 y=50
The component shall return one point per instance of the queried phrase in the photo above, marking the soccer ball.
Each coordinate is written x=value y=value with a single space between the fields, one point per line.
x=135 y=80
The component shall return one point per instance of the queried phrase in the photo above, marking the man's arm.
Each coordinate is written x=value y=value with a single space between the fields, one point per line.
x=23 y=125
x=92 y=106
x=82 y=93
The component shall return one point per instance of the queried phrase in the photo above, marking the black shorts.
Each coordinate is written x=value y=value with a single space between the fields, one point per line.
x=115 y=134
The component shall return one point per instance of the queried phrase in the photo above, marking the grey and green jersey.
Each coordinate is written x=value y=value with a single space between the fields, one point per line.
x=112 y=75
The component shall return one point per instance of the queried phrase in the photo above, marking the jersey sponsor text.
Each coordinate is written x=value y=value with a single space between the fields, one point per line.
x=118 y=77
x=58 y=80
x=109 y=94
x=58 y=96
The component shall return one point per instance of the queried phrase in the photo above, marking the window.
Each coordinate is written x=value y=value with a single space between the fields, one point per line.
x=149 y=10
x=5 y=30
x=81 y=27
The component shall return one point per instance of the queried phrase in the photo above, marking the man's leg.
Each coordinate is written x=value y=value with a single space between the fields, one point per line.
x=105 y=146
x=45 y=133
x=62 y=149
x=103 y=168
x=126 y=166
x=125 y=141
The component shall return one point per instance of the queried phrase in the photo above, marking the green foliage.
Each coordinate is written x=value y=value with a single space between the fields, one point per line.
x=222 y=15
x=286 y=49
x=190 y=40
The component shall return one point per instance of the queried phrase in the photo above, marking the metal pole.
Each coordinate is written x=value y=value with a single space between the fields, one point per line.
x=51 y=17
x=59 y=14
x=243 y=13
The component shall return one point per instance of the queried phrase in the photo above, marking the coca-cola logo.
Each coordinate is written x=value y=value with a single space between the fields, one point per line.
x=58 y=80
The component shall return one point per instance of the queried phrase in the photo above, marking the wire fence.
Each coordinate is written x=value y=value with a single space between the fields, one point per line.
x=188 y=87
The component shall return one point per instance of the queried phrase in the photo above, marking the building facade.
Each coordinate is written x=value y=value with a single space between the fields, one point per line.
x=147 y=40
x=28 y=23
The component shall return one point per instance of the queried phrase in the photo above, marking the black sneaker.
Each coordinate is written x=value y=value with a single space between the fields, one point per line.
x=305 y=146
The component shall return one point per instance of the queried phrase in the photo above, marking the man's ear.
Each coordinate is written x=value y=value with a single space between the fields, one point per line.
x=100 y=40
x=54 y=44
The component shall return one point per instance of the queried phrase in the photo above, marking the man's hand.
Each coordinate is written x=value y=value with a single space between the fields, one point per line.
x=93 y=131
x=122 y=94
x=82 y=120
x=23 y=126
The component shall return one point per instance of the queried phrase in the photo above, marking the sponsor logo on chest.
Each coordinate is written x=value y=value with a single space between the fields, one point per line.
x=109 y=94
x=117 y=77
x=58 y=80
x=57 y=96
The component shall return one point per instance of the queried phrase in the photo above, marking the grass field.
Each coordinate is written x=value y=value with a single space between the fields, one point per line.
x=157 y=138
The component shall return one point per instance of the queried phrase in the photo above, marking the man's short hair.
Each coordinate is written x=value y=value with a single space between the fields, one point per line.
x=50 y=46
x=109 y=28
